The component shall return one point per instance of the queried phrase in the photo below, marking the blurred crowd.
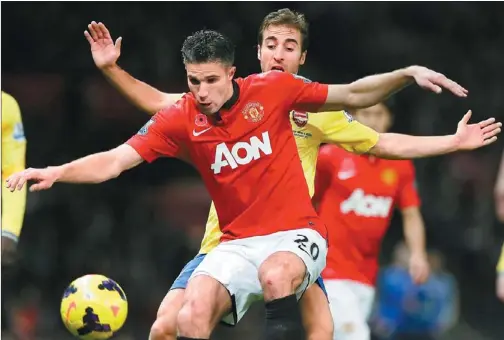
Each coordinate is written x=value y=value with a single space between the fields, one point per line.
x=141 y=228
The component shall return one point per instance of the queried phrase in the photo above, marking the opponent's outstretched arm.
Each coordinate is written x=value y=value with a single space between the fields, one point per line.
x=374 y=89
x=467 y=137
x=105 y=55
x=95 y=168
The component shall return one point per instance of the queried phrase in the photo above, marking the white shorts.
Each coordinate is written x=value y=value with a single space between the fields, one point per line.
x=235 y=264
x=351 y=303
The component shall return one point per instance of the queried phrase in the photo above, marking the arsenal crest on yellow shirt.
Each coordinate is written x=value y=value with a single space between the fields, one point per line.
x=299 y=118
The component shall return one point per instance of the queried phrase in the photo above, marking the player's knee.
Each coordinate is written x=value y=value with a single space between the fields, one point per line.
x=163 y=329
x=194 y=318
x=280 y=275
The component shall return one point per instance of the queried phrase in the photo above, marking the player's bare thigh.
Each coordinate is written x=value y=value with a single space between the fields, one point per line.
x=317 y=319
x=165 y=326
x=206 y=301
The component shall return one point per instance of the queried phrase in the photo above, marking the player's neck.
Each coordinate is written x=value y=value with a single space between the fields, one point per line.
x=232 y=95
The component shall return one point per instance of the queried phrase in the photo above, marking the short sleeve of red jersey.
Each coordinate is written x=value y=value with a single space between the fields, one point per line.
x=304 y=94
x=408 y=194
x=162 y=135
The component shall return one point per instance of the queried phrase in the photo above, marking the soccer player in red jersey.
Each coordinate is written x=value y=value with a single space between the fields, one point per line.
x=237 y=134
x=283 y=39
x=355 y=196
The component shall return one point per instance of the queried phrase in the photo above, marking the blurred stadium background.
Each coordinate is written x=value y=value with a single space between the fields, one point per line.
x=141 y=228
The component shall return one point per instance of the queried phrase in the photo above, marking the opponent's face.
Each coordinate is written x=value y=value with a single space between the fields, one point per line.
x=211 y=85
x=377 y=117
x=281 y=49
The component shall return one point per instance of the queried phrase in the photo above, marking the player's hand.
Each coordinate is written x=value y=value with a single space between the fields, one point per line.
x=45 y=179
x=419 y=268
x=473 y=136
x=105 y=52
x=499 y=286
x=434 y=81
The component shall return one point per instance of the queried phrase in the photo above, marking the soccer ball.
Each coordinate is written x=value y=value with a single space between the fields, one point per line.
x=94 y=307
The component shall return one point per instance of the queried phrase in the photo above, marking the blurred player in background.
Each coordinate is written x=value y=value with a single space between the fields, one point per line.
x=499 y=206
x=13 y=204
x=282 y=45
x=355 y=196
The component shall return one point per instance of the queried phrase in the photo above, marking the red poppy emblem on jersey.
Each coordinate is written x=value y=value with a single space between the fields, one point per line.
x=253 y=112
x=201 y=120
x=300 y=118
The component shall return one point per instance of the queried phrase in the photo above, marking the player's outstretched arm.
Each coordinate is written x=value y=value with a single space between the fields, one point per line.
x=467 y=137
x=374 y=89
x=95 y=168
x=105 y=55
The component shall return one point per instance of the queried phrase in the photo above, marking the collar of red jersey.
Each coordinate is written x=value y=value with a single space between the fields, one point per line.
x=219 y=116
x=234 y=97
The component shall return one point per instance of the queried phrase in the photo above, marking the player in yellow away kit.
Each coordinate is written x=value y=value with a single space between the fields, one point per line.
x=13 y=160
x=13 y=203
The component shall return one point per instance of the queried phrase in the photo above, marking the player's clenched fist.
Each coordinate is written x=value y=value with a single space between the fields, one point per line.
x=45 y=178
x=434 y=81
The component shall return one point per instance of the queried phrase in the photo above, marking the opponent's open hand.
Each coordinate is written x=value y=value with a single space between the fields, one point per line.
x=434 y=81
x=473 y=136
x=105 y=52
x=45 y=179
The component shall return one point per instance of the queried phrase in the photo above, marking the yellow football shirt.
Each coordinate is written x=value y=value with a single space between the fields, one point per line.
x=310 y=131
x=13 y=160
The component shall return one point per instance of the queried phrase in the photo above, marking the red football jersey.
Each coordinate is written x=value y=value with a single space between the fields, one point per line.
x=355 y=197
x=247 y=155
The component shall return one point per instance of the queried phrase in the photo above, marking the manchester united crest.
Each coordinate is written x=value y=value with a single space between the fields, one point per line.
x=299 y=118
x=389 y=177
x=253 y=112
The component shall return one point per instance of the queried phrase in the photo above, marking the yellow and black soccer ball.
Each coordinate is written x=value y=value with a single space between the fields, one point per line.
x=94 y=307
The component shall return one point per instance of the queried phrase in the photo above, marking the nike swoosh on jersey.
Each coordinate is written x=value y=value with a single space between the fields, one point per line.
x=196 y=134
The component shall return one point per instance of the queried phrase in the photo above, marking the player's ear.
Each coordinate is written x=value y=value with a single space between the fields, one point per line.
x=258 y=52
x=303 y=58
x=231 y=72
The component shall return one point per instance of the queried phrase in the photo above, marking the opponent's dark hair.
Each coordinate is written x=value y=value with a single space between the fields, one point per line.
x=290 y=18
x=208 y=46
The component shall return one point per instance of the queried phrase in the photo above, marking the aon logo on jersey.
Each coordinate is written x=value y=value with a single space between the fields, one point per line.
x=366 y=205
x=241 y=153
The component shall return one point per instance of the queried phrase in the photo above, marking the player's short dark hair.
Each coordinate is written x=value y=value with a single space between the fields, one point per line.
x=290 y=18
x=208 y=46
